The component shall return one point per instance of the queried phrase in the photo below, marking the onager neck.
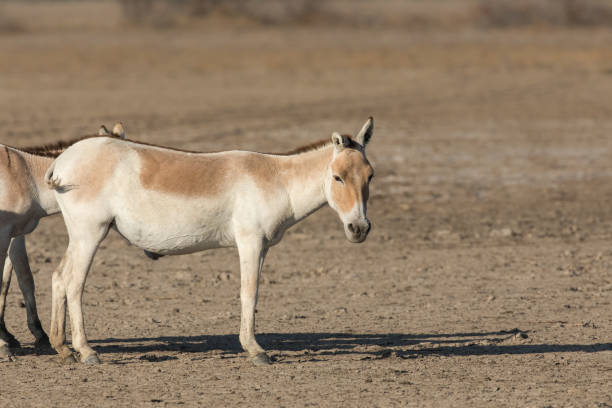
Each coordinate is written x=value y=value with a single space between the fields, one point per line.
x=304 y=175
x=42 y=194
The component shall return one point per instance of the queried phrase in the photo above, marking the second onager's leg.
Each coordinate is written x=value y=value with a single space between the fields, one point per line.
x=7 y=340
x=252 y=255
x=19 y=258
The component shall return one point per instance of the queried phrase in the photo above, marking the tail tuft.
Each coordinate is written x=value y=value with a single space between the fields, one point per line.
x=53 y=182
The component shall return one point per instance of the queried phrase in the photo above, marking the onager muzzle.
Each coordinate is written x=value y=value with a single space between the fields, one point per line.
x=357 y=232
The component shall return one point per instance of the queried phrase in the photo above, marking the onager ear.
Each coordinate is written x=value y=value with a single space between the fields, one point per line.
x=339 y=141
x=366 y=132
x=103 y=131
x=118 y=130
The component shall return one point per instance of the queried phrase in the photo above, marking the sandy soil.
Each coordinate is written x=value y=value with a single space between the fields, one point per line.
x=486 y=279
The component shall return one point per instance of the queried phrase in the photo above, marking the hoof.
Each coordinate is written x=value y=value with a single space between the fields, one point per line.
x=68 y=359
x=261 y=359
x=92 y=360
x=5 y=354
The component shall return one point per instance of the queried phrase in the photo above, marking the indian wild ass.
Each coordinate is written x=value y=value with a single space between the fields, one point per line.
x=172 y=202
x=24 y=200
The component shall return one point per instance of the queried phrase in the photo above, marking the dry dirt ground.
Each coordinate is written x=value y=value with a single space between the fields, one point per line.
x=486 y=279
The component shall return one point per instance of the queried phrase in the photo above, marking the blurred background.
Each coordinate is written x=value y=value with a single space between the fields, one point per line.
x=494 y=107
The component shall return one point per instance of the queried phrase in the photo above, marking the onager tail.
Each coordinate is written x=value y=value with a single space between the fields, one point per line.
x=54 y=183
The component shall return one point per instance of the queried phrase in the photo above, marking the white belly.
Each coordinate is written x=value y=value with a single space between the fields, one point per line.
x=169 y=225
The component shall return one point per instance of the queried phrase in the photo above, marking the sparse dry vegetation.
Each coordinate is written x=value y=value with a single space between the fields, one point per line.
x=267 y=11
x=261 y=11
x=408 y=14
x=512 y=13
x=8 y=24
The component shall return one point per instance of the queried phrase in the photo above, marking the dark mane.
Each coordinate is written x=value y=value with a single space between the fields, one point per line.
x=306 y=148
x=314 y=146
x=57 y=148
x=50 y=149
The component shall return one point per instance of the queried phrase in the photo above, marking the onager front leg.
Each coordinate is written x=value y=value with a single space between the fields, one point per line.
x=252 y=256
x=19 y=258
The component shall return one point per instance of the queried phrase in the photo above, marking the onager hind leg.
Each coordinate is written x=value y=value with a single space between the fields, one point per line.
x=58 y=314
x=68 y=284
x=252 y=255
x=19 y=258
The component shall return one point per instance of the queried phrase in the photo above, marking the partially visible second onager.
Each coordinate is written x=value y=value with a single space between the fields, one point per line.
x=24 y=199
x=172 y=202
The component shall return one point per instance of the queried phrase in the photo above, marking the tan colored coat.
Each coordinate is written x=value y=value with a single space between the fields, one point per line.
x=172 y=202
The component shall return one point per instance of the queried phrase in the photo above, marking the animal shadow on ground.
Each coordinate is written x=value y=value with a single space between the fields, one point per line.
x=320 y=346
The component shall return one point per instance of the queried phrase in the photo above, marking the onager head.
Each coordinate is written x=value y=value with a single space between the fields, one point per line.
x=347 y=185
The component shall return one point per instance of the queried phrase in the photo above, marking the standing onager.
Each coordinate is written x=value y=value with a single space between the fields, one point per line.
x=172 y=202
x=24 y=200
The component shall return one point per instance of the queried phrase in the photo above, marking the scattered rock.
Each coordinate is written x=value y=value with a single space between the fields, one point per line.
x=152 y=358
x=224 y=276
x=521 y=336
x=447 y=235
x=442 y=233
x=501 y=233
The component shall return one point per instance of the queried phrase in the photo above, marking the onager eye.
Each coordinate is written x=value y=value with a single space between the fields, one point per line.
x=338 y=179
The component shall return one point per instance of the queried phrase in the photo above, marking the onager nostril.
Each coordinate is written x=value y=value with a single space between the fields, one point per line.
x=351 y=228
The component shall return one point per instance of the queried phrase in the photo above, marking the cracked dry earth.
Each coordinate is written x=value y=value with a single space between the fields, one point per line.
x=486 y=279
